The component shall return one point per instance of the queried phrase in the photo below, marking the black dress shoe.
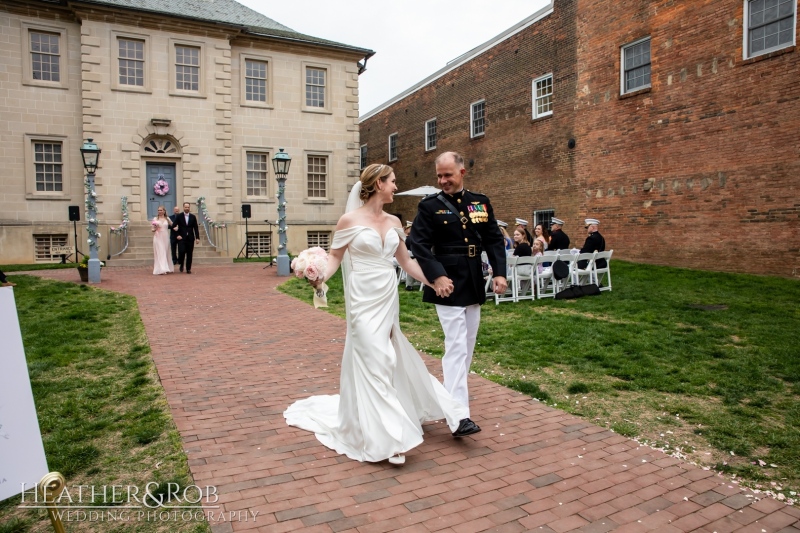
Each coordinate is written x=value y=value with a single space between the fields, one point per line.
x=181 y=269
x=188 y=271
x=466 y=427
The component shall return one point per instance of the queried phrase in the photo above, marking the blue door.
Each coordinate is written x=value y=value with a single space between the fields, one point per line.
x=159 y=173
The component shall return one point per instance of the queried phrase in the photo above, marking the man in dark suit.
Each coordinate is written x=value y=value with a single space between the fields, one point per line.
x=449 y=232
x=594 y=243
x=173 y=235
x=188 y=236
x=558 y=239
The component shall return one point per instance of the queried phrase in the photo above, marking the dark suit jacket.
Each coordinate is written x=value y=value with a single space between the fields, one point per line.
x=594 y=243
x=173 y=235
x=558 y=241
x=190 y=232
x=435 y=226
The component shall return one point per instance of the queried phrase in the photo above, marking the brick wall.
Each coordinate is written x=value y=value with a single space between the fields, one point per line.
x=701 y=170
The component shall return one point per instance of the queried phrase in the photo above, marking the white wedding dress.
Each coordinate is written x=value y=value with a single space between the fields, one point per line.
x=385 y=389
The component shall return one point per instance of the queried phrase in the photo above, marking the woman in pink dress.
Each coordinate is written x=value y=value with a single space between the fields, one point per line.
x=161 y=254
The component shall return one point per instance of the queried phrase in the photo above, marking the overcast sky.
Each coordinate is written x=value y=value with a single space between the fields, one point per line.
x=412 y=38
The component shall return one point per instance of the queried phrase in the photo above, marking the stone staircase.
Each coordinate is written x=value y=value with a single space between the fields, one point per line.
x=140 y=249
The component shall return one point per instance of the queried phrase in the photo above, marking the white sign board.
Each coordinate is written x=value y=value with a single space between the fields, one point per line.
x=22 y=457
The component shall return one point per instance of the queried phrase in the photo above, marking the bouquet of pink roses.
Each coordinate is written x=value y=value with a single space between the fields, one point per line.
x=155 y=225
x=311 y=264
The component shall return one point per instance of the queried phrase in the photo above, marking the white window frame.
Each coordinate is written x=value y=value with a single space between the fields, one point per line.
x=328 y=172
x=536 y=98
x=260 y=242
x=265 y=151
x=392 y=151
x=30 y=168
x=622 y=69
x=472 y=133
x=320 y=236
x=746 y=33
x=243 y=101
x=428 y=146
x=52 y=239
x=305 y=65
x=114 y=64
x=542 y=214
x=27 y=59
x=201 y=78
x=362 y=156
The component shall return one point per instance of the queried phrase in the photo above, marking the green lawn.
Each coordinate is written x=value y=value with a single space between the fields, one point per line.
x=101 y=409
x=705 y=365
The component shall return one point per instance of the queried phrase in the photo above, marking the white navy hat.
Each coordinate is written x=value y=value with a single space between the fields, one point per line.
x=555 y=220
x=521 y=222
x=592 y=221
x=409 y=223
x=502 y=224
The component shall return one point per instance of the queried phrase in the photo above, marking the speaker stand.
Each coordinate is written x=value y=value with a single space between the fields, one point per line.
x=271 y=256
x=75 y=233
x=246 y=248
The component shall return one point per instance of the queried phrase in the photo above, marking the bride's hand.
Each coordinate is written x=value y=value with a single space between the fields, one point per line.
x=316 y=284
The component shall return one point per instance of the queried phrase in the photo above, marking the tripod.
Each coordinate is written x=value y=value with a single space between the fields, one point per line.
x=270 y=224
x=246 y=248
x=75 y=232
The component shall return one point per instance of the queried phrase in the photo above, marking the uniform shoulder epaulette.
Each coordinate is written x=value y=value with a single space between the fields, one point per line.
x=477 y=194
x=429 y=197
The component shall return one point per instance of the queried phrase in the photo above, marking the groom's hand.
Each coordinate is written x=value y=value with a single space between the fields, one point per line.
x=500 y=285
x=443 y=286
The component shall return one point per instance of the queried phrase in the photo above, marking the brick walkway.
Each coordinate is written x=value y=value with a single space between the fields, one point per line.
x=244 y=352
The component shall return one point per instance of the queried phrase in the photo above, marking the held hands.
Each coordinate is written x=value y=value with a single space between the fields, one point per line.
x=500 y=285
x=443 y=286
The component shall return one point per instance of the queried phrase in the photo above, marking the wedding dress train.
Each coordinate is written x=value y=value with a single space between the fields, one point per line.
x=385 y=389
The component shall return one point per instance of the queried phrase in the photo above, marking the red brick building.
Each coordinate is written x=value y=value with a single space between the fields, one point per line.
x=674 y=123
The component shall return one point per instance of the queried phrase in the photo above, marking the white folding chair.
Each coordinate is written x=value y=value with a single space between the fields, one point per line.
x=605 y=271
x=525 y=286
x=570 y=261
x=546 y=283
x=511 y=291
x=585 y=275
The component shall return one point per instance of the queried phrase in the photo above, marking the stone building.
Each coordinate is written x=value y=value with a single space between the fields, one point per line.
x=673 y=123
x=198 y=94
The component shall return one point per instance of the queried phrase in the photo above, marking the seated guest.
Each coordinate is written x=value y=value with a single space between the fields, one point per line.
x=522 y=223
x=522 y=247
x=558 y=239
x=407 y=231
x=542 y=235
x=509 y=243
x=537 y=250
x=410 y=282
x=594 y=243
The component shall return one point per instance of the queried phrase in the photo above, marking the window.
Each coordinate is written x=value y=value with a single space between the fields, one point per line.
x=543 y=96
x=543 y=217
x=41 y=63
x=363 y=156
x=187 y=68
x=257 y=174
x=430 y=134
x=255 y=77
x=319 y=238
x=260 y=242
x=636 y=66
x=315 y=87
x=45 y=56
x=392 y=147
x=477 y=112
x=770 y=25
x=317 y=176
x=131 y=62
x=43 y=243
x=48 y=166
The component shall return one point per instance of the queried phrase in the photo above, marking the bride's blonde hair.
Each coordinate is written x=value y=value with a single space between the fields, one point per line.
x=370 y=177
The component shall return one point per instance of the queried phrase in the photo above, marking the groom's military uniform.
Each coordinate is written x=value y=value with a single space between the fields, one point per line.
x=447 y=243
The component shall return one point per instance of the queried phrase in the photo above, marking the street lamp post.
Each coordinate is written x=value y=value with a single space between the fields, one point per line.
x=91 y=156
x=281 y=163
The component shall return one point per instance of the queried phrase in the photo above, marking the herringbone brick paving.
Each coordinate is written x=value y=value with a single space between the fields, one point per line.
x=238 y=352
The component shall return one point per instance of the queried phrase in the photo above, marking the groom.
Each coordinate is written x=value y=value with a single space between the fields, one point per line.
x=188 y=235
x=450 y=231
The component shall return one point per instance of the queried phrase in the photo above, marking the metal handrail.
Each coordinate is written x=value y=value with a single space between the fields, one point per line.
x=122 y=230
x=212 y=227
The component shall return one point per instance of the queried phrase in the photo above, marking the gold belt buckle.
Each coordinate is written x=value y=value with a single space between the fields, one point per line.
x=471 y=250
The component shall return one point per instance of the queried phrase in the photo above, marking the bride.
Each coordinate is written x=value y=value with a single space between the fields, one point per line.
x=385 y=389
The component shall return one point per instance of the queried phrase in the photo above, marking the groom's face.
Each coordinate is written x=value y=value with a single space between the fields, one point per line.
x=186 y=208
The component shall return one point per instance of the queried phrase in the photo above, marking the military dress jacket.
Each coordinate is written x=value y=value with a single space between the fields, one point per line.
x=558 y=241
x=444 y=246
x=594 y=243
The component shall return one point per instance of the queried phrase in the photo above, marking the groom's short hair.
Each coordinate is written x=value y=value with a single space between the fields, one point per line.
x=187 y=203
